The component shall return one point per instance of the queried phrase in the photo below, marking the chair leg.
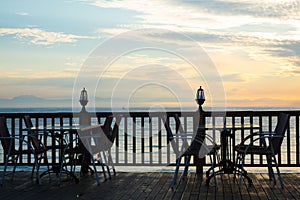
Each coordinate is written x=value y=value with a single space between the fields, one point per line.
x=237 y=164
x=241 y=170
x=95 y=169
x=32 y=171
x=103 y=165
x=186 y=166
x=37 y=164
x=111 y=162
x=62 y=164
x=178 y=160
x=15 y=160
x=270 y=169
x=106 y=163
x=217 y=157
x=72 y=161
x=46 y=161
x=4 y=170
x=278 y=172
x=103 y=170
x=213 y=170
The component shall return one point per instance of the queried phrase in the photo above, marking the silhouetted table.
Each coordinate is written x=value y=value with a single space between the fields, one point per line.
x=226 y=165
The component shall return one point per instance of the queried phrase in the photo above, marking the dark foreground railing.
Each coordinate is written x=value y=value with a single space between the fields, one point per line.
x=142 y=139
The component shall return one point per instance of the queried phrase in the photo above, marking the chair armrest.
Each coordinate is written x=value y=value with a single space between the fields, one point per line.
x=263 y=136
x=88 y=128
x=190 y=135
x=18 y=138
x=184 y=135
x=252 y=136
x=38 y=137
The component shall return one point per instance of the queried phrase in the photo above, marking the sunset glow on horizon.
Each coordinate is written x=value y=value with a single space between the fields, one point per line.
x=253 y=45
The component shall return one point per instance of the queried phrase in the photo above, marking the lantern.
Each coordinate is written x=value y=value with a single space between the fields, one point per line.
x=83 y=99
x=200 y=98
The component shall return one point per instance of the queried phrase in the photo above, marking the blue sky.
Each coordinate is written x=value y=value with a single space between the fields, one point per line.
x=254 y=46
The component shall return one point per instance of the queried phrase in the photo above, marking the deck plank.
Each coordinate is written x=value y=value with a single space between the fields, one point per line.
x=150 y=185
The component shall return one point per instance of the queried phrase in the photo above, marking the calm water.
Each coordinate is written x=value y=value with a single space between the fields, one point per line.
x=70 y=109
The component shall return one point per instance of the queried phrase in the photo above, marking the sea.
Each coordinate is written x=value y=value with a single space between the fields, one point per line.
x=144 y=109
x=137 y=109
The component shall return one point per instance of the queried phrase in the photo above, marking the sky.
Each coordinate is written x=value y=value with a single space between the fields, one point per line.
x=151 y=53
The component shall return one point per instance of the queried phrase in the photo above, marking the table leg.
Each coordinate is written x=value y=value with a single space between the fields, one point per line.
x=226 y=165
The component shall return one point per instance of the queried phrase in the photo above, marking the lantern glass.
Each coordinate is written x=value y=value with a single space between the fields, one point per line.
x=200 y=94
x=200 y=97
x=83 y=97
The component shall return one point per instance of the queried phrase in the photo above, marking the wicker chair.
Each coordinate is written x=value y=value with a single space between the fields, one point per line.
x=201 y=145
x=97 y=140
x=34 y=147
x=265 y=144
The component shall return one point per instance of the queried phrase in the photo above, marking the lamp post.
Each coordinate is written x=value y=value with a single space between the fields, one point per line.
x=200 y=98
x=84 y=119
x=83 y=99
x=200 y=127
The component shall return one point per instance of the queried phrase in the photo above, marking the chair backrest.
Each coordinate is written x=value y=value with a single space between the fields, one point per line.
x=168 y=128
x=184 y=147
x=107 y=123
x=34 y=140
x=115 y=129
x=170 y=135
x=4 y=134
x=95 y=139
x=195 y=147
x=280 y=129
x=107 y=127
x=179 y=128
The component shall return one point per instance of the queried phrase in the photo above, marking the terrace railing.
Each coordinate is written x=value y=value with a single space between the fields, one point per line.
x=142 y=139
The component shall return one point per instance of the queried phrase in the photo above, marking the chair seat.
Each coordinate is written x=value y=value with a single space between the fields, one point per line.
x=253 y=149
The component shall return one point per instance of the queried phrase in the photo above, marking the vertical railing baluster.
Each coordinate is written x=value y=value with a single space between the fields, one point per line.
x=159 y=142
x=151 y=139
x=232 y=141
x=134 y=140
x=297 y=141
x=260 y=122
x=117 y=143
x=143 y=139
x=126 y=140
x=288 y=141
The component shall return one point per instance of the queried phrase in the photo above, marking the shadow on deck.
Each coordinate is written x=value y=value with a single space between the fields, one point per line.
x=151 y=185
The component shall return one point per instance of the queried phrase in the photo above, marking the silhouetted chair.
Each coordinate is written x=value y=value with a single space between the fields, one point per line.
x=73 y=154
x=103 y=139
x=36 y=139
x=97 y=140
x=58 y=139
x=58 y=143
x=263 y=143
x=201 y=145
x=34 y=147
x=111 y=134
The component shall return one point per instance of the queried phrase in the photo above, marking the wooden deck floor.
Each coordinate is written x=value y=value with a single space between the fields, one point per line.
x=152 y=185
